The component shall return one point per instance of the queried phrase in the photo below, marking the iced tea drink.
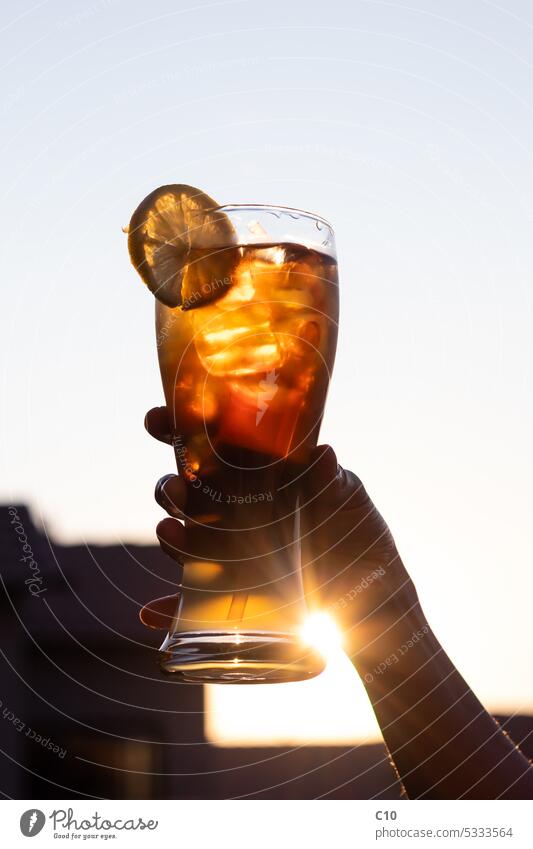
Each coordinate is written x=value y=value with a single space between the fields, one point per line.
x=246 y=318
x=245 y=362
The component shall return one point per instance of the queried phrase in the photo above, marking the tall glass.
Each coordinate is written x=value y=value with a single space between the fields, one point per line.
x=245 y=363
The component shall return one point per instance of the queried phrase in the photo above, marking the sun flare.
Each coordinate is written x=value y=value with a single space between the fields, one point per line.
x=320 y=631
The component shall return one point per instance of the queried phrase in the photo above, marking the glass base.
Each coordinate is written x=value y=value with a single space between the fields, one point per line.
x=258 y=657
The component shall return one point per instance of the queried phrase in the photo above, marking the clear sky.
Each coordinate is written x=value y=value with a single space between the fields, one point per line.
x=409 y=125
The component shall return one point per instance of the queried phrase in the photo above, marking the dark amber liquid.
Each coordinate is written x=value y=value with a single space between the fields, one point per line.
x=245 y=363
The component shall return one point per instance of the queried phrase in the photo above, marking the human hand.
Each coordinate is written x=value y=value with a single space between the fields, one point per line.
x=350 y=563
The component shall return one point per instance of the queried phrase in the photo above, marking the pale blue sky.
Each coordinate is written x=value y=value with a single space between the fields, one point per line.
x=410 y=127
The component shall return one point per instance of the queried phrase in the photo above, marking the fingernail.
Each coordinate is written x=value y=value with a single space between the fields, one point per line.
x=162 y=496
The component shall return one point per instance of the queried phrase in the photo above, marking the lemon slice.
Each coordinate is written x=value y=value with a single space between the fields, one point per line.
x=182 y=246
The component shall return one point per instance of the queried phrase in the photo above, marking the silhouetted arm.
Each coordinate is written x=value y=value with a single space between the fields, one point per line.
x=442 y=741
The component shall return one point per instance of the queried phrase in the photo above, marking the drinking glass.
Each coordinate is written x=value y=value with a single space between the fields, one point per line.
x=245 y=362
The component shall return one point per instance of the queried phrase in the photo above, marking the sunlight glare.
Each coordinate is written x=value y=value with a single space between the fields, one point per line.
x=331 y=709
x=320 y=631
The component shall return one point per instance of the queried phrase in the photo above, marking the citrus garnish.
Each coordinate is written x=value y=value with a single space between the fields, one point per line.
x=182 y=245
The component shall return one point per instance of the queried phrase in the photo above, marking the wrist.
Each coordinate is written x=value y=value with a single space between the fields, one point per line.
x=385 y=639
x=388 y=627
x=381 y=593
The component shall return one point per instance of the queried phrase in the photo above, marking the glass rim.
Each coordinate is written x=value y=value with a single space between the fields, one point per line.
x=272 y=207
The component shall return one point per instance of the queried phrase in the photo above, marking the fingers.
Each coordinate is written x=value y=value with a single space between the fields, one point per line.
x=171 y=536
x=160 y=612
x=157 y=423
x=171 y=495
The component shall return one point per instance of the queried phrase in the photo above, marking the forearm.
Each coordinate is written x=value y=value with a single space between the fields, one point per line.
x=443 y=743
